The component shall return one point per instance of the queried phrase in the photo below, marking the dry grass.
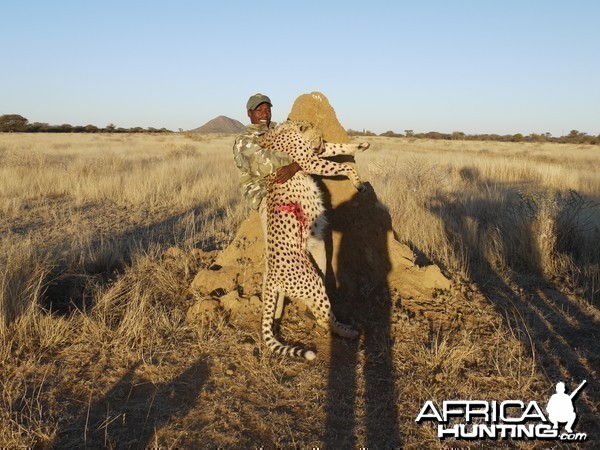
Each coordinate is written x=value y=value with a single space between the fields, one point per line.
x=99 y=349
x=525 y=208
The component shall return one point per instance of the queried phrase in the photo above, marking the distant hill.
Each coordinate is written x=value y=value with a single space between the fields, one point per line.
x=220 y=124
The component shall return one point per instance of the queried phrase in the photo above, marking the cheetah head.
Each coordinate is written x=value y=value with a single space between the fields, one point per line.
x=308 y=131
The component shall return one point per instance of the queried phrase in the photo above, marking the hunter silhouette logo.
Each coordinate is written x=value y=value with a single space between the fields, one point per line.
x=508 y=419
x=560 y=407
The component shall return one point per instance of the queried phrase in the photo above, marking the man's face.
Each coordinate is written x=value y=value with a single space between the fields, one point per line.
x=260 y=115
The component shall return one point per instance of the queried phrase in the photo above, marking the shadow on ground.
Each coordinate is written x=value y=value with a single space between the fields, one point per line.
x=129 y=414
x=561 y=332
x=362 y=396
x=68 y=288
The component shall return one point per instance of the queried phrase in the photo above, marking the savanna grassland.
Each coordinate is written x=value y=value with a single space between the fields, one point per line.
x=101 y=235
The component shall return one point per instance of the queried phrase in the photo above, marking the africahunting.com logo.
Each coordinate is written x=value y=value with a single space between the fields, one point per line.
x=510 y=419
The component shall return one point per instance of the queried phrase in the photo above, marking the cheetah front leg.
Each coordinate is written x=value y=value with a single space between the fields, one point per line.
x=316 y=165
x=330 y=168
x=330 y=149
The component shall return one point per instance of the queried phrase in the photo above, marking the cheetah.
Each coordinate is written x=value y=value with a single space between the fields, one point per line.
x=295 y=215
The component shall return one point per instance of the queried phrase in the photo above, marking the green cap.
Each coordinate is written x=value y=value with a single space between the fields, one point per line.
x=256 y=100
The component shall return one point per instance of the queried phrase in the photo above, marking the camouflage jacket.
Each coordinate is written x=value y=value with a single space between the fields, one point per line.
x=256 y=163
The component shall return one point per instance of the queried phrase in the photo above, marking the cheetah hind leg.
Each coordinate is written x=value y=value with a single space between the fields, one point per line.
x=339 y=328
x=272 y=301
x=325 y=317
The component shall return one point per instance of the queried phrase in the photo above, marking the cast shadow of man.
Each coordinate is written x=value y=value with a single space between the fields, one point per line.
x=557 y=331
x=130 y=413
x=362 y=396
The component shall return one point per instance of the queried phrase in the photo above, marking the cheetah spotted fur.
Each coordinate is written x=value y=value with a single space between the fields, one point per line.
x=295 y=215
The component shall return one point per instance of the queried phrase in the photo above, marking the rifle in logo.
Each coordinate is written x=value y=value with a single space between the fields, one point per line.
x=560 y=407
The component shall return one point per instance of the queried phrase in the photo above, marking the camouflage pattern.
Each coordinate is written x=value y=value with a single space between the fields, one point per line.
x=256 y=163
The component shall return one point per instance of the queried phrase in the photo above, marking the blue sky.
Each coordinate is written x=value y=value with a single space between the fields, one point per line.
x=505 y=66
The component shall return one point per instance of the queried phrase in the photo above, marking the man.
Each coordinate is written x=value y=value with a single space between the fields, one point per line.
x=255 y=162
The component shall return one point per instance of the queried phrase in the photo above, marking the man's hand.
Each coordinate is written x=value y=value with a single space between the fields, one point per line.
x=286 y=172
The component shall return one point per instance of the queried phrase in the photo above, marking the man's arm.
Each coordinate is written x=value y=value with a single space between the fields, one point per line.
x=257 y=161
x=287 y=172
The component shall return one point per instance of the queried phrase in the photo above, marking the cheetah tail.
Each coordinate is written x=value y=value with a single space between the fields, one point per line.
x=287 y=350
x=269 y=304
